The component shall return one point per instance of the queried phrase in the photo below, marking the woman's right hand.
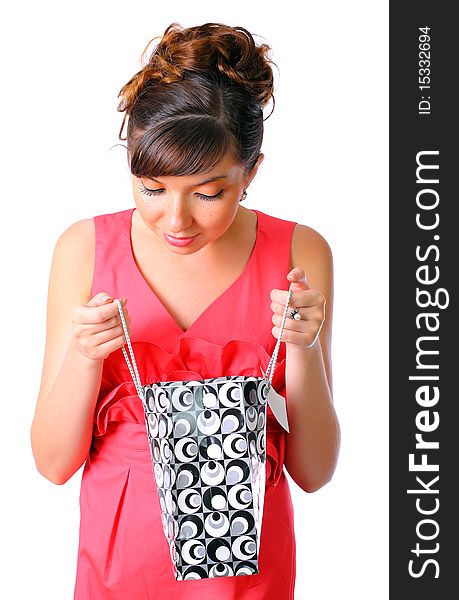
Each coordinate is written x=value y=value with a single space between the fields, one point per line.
x=97 y=327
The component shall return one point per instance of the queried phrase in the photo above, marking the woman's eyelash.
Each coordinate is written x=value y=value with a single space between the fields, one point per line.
x=149 y=192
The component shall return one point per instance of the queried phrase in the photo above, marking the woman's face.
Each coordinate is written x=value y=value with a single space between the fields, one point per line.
x=192 y=205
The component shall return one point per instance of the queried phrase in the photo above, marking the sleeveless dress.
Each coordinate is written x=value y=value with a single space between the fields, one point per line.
x=123 y=553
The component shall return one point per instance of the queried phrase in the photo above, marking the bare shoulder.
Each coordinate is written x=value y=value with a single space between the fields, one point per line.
x=310 y=246
x=75 y=248
x=78 y=237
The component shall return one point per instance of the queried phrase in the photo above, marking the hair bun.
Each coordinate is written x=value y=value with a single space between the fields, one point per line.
x=212 y=49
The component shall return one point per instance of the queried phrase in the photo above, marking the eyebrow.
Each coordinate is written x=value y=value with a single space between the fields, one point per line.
x=200 y=183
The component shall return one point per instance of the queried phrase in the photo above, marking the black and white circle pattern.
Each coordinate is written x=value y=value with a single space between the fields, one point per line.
x=208 y=447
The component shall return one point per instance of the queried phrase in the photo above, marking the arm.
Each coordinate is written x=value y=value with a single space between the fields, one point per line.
x=312 y=446
x=61 y=429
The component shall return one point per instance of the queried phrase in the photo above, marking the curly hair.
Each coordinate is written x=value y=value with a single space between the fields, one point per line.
x=199 y=96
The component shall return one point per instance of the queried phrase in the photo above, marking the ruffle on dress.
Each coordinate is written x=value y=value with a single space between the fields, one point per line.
x=193 y=358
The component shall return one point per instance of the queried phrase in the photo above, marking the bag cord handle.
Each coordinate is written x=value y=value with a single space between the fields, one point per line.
x=135 y=373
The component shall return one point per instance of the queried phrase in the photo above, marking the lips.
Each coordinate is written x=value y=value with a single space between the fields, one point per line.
x=183 y=241
x=180 y=238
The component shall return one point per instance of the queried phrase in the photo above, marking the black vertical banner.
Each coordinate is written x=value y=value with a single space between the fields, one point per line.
x=423 y=307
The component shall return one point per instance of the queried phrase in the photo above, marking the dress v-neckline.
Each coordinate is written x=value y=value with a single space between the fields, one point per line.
x=201 y=316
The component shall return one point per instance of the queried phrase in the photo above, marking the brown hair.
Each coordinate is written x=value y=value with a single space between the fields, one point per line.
x=200 y=95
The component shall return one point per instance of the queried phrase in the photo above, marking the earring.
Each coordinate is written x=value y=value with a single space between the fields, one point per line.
x=244 y=196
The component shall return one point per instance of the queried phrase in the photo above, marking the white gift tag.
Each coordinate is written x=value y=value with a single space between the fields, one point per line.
x=279 y=407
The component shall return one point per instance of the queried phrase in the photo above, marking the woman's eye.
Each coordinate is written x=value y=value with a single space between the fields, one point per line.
x=215 y=197
x=150 y=192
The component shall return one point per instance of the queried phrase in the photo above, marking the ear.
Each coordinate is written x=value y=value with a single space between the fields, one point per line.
x=254 y=170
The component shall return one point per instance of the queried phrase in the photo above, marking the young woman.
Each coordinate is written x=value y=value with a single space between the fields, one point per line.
x=203 y=282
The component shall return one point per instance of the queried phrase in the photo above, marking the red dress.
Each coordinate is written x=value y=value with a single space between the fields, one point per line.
x=123 y=553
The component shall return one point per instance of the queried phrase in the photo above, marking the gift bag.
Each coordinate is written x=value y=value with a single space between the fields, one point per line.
x=207 y=441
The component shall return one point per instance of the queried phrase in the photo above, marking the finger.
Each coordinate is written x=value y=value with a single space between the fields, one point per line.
x=101 y=336
x=109 y=323
x=300 y=297
x=90 y=313
x=99 y=299
x=289 y=335
x=298 y=279
x=292 y=324
x=306 y=312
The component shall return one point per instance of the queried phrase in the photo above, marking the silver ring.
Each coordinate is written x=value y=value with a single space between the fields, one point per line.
x=295 y=314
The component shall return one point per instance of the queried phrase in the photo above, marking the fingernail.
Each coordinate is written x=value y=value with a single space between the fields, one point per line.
x=106 y=298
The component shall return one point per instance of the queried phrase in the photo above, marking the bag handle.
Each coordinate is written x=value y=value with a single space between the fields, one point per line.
x=135 y=373
x=132 y=368
x=273 y=360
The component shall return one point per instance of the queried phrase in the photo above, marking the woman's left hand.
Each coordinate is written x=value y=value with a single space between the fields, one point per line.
x=298 y=334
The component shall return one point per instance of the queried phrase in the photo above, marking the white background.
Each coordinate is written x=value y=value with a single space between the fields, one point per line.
x=326 y=147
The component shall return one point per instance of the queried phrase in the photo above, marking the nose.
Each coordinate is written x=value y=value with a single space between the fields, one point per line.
x=178 y=218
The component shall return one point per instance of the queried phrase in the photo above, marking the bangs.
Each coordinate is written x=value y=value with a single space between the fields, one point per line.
x=183 y=145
